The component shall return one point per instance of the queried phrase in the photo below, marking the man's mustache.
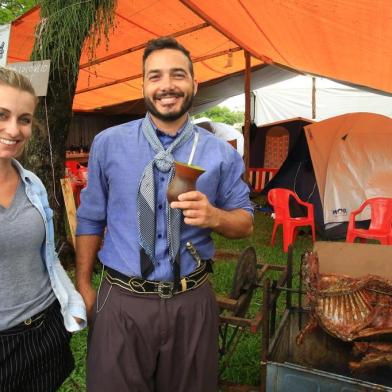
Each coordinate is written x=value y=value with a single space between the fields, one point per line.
x=172 y=94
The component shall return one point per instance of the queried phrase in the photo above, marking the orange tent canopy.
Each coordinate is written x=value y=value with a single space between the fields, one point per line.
x=115 y=75
x=346 y=40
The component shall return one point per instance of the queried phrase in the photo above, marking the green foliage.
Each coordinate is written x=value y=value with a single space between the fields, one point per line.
x=11 y=9
x=63 y=29
x=222 y=114
x=66 y=28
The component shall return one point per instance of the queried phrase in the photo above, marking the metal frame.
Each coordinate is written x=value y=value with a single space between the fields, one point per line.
x=264 y=319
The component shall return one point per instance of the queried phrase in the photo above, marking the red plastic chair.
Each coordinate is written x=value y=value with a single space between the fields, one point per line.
x=279 y=199
x=72 y=168
x=380 y=228
x=83 y=173
x=78 y=176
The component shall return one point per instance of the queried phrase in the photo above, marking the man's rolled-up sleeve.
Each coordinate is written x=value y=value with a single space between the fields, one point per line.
x=233 y=191
x=91 y=214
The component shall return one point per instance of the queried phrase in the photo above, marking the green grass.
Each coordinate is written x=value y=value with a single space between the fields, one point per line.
x=243 y=367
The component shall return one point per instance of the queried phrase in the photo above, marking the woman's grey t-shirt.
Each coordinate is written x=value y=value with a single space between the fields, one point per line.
x=25 y=288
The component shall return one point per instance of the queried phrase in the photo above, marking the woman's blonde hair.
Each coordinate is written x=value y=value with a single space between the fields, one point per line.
x=11 y=78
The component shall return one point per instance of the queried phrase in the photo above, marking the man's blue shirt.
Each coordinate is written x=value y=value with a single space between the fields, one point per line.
x=117 y=160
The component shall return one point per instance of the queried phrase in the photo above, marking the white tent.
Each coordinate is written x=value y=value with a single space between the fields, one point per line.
x=223 y=131
x=352 y=161
x=293 y=98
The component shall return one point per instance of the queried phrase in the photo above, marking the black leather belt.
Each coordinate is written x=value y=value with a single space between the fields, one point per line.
x=32 y=322
x=163 y=288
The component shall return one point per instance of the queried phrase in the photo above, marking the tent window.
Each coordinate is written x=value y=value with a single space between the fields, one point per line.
x=276 y=146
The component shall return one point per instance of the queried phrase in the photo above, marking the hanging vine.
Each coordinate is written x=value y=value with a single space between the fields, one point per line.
x=66 y=29
x=68 y=26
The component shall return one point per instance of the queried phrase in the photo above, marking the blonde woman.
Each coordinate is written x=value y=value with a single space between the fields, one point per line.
x=39 y=306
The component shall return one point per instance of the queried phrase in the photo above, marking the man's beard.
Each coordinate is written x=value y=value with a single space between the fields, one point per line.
x=173 y=116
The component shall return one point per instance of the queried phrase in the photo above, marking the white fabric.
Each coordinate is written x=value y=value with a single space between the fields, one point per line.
x=215 y=93
x=352 y=160
x=358 y=169
x=227 y=132
x=223 y=131
x=293 y=98
x=5 y=30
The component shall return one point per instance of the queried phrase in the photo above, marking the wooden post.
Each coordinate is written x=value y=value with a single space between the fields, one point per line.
x=313 y=98
x=247 y=112
x=70 y=207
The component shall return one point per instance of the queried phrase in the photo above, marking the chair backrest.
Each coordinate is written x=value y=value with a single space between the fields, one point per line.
x=83 y=173
x=279 y=198
x=72 y=167
x=381 y=213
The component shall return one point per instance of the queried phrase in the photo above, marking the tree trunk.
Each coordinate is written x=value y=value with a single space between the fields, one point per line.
x=45 y=154
x=65 y=25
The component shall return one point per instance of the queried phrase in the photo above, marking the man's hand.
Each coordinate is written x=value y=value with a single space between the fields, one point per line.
x=89 y=296
x=196 y=209
x=78 y=320
x=87 y=247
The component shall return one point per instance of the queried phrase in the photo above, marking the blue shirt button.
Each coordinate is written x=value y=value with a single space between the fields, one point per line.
x=162 y=178
x=159 y=235
x=160 y=206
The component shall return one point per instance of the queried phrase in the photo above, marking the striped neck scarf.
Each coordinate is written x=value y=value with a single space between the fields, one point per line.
x=164 y=162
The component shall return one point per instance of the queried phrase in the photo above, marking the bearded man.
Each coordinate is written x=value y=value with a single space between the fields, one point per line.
x=154 y=321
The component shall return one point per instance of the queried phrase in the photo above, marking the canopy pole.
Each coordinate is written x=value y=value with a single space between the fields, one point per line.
x=313 y=98
x=247 y=112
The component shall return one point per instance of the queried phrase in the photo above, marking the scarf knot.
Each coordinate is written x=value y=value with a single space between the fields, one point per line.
x=164 y=161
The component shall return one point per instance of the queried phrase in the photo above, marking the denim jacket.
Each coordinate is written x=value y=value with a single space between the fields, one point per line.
x=71 y=302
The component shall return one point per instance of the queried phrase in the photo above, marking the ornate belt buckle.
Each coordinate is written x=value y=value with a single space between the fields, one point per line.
x=165 y=289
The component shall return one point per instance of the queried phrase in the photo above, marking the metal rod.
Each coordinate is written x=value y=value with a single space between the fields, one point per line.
x=223 y=334
x=273 y=309
x=282 y=288
x=298 y=291
x=234 y=340
x=265 y=336
x=289 y=283
x=300 y=295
